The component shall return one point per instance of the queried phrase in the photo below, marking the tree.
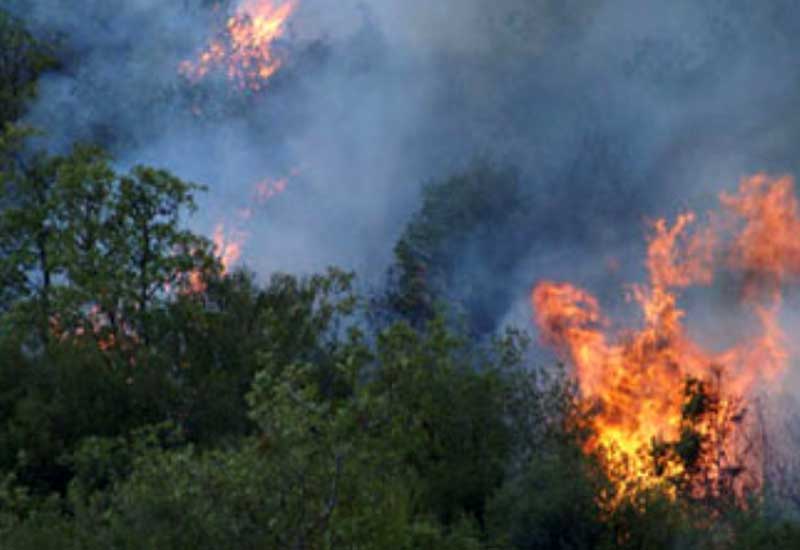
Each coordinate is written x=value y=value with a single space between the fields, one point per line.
x=460 y=246
x=87 y=257
x=29 y=240
x=22 y=60
x=148 y=246
x=85 y=250
x=216 y=342
x=718 y=462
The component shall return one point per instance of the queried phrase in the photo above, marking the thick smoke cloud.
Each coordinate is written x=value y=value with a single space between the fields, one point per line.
x=614 y=111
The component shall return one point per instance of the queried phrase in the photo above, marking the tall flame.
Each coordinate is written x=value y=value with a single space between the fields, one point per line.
x=635 y=378
x=245 y=49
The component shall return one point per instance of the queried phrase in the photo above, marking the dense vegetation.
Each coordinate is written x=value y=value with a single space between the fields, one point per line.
x=147 y=400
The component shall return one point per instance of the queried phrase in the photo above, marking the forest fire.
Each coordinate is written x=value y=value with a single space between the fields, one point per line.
x=638 y=380
x=244 y=50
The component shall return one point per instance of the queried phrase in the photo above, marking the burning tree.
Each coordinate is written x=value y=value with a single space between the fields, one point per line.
x=712 y=456
x=244 y=50
x=669 y=412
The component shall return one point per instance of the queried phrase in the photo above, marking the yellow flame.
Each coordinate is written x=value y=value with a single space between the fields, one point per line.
x=244 y=50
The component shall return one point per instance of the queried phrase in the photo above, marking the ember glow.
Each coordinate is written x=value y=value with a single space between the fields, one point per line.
x=635 y=378
x=95 y=325
x=244 y=51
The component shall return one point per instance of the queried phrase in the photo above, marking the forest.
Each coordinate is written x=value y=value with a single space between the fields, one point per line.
x=156 y=392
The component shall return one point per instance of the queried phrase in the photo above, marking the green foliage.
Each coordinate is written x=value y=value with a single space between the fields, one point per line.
x=22 y=60
x=215 y=342
x=411 y=427
x=653 y=520
x=550 y=503
x=549 y=498
x=466 y=232
x=82 y=248
x=755 y=530
x=53 y=403
x=348 y=452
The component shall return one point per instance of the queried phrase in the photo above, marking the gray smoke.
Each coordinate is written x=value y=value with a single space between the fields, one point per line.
x=614 y=111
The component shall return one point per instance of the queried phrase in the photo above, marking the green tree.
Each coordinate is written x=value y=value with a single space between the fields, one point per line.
x=22 y=60
x=215 y=342
x=29 y=243
x=148 y=247
x=465 y=234
x=87 y=257
x=82 y=247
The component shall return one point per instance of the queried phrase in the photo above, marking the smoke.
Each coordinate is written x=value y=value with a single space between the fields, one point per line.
x=613 y=111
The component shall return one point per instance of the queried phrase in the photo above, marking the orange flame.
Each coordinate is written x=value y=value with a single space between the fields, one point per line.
x=244 y=50
x=229 y=243
x=635 y=378
x=228 y=246
x=95 y=325
x=195 y=283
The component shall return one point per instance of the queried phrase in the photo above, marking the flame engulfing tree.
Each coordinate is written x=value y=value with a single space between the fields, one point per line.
x=636 y=382
x=714 y=458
